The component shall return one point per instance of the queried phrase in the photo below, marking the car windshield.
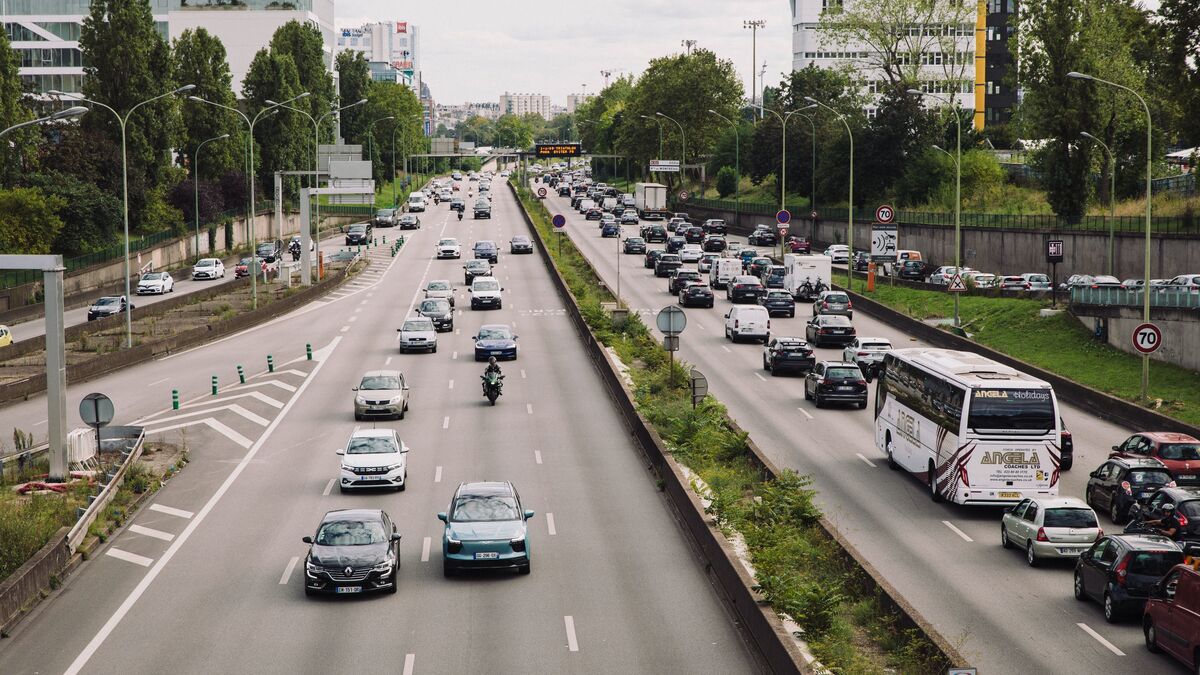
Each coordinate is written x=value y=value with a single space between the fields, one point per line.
x=484 y=508
x=477 y=265
x=265 y=248
x=438 y=286
x=207 y=262
x=1011 y=409
x=484 y=245
x=370 y=445
x=418 y=325
x=153 y=276
x=520 y=240
x=487 y=285
x=1154 y=563
x=379 y=382
x=351 y=533
x=1148 y=477
x=435 y=307
x=836 y=321
x=244 y=261
x=1181 y=451
x=1070 y=517
x=494 y=333
x=447 y=242
x=358 y=229
x=635 y=240
x=779 y=295
x=844 y=373
x=383 y=212
x=108 y=301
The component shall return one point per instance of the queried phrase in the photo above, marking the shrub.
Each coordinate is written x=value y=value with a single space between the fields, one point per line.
x=727 y=180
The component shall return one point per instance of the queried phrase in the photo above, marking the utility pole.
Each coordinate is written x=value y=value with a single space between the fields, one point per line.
x=754 y=25
x=688 y=44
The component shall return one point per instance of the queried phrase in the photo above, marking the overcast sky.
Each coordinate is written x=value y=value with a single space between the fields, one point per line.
x=475 y=50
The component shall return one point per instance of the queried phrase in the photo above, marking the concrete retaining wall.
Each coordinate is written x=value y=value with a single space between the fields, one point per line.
x=1180 y=329
x=25 y=586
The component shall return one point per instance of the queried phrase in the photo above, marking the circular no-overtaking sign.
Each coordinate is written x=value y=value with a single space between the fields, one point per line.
x=559 y=220
x=683 y=195
x=885 y=214
x=1147 y=338
x=783 y=232
x=542 y=192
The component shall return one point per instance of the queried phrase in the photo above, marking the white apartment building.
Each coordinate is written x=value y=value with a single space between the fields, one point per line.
x=522 y=104
x=45 y=33
x=576 y=100
x=393 y=48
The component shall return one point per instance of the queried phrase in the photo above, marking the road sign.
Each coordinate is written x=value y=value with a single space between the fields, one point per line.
x=1055 y=250
x=812 y=215
x=783 y=231
x=671 y=343
x=1147 y=338
x=559 y=221
x=671 y=320
x=699 y=386
x=96 y=410
x=783 y=217
x=683 y=195
x=956 y=284
x=885 y=213
x=664 y=165
x=883 y=243
x=557 y=150
x=541 y=193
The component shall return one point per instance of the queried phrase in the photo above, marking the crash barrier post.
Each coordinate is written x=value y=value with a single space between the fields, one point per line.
x=270 y=363
x=214 y=385
x=308 y=350
x=241 y=375
x=174 y=399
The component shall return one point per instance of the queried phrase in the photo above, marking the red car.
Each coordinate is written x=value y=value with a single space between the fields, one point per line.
x=1171 y=621
x=1180 y=452
x=799 y=245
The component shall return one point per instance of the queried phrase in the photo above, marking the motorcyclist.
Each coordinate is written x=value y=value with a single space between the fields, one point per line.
x=294 y=247
x=1167 y=523
x=492 y=367
x=460 y=214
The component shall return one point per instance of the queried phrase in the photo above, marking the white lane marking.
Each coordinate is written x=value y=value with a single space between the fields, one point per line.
x=110 y=625
x=454 y=355
x=759 y=376
x=151 y=532
x=352 y=319
x=256 y=395
x=364 y=301
x=957 y=531
x=41 y=423
x=572 y=643
x=458 y=331
x=233 y=407
x=358 y=309
x=345 y=328
x=446 y=422
x=550 y=524
x=805 y=412
x=529 y=408
x=129 y=557
x=171 y=511
x=522 y=373
x=328 y=487
x=388 y=362
x=157 y=382
x=727 y=349
x=437 y=475
x=869 y=462
x=287 y=571
x=537 y=456
x=701 y=326
x=409 y=660
x=1099 y=638
x=212 y=424
x=425 y=549
x=451 y=384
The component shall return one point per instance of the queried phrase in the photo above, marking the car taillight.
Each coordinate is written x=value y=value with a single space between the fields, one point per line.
x=1041 y=535
x=863 y=383
x=1095 y=286
x=862 y=353
x=1126 y=487
x=849 y=304
x=1122 y=570
x=1183 y=521
x=825 y=304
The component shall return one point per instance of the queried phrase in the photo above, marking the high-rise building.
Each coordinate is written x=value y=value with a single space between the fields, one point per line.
x=522 y=104
x=393 y=48
x=45 y=33
x=967 y=59
x=576 y=100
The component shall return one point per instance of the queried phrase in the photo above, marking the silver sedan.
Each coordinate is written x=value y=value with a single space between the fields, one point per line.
x=381 y=393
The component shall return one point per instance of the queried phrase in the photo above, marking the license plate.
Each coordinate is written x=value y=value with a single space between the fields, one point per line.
x=1188 y=477
x=1010 y=495
x=845 y=388
x=492 y=555
x=349 y=589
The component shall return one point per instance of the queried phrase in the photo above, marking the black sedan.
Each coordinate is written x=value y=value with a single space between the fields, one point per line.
x=410 y=222
x=634 y=245
x=762 y=237
x=357 y=234
x=784 y=354
x=651 y=258
x=483 y=209
x=830 y=329
x=667 y=262
x=715 y=244
x=744 y=289
x=594 y=214
x=835 y=382
x=1121 y=482
x=696 y=295
x=520 y=244
x=675 y=243
x=779 y=303
x=109 y=305
x=354 y=551
x=487 y=250
x=676 y=281
x=655 y=233
x=694 y=235
x=439 y=311
x=458 y=204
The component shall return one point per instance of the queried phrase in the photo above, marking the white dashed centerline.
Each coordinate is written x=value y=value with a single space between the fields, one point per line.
x=328 y=487
x=425 y=549
x=529 y=408
x=409 y=660
x=287 y=572
x=550 y=524
x=345 y=329
x=572 y=643
x=759 y=376
x=454 y=355
x=451 y=384
x=446 y=422
x=1099 y=638
x=869 y=462
x=537 y=456
x=957 y=531
x=522 y=373
x=437 y=475
x=805 y=413
x=727 y=349
x=388 y=362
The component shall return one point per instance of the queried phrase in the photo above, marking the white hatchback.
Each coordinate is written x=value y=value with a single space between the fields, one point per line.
x=691 y=253
x=866 y=351
x=418 y=334
x=449 y=248
x=155 y=282
x=208 y=268
x=1050 y=527
x=374 y=458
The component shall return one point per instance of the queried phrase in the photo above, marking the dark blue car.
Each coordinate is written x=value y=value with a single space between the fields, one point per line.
x=495 y=340
x=610 y=230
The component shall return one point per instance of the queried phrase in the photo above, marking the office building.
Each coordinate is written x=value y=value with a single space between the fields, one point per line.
x=576 y=100
x=523 y=104
x=392 y=48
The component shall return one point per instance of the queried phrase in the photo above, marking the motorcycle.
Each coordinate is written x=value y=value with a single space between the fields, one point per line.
x=492 y=384
x=295 y=249
x=460 y=215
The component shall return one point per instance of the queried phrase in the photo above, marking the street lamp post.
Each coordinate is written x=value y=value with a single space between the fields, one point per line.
x=783 y=120
x=957 y=188
x=396 y=127
x=1149 y=193
x=74 y=111
x=196 y=185
x=371 y=140
x=737 y=161
x=1112 y=195
x=683 y=148
x=123 y=121
x=317 y=158
x=850 y=205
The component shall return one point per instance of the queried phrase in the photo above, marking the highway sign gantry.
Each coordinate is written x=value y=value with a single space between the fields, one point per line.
x=1147 y=338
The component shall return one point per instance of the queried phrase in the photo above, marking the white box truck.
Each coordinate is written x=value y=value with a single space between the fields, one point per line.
x=650 y=200
x=810 y=268
x=723 y=271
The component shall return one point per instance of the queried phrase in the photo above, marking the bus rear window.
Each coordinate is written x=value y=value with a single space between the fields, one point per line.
x=1011 y=409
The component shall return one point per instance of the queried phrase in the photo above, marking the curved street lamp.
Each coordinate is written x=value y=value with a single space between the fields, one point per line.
x=196 y=185
x=850 y=204
x=1112 y=194
x=683 y=143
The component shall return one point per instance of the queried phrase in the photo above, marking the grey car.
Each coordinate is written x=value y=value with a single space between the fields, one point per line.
x=381 y=393
x=833 y=302
x=1050 y=527
x=440 y=288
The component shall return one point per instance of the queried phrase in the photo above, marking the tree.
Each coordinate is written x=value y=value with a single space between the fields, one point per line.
x=1179 y=30
x=727 y=180
x=199 y=58
x=283 y=140
x=91 y=217
x=126 y=59
x=304 y=44
x=17 y=151
x=28 y=220
x=389 y=99
x=513 y=131
x=902 y=129
x=354 y=81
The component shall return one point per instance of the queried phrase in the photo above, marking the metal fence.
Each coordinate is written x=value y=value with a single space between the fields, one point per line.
x=1122 y=297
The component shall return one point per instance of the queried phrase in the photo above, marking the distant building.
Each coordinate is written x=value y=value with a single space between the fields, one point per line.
x=575 y=100
x=392 y=48
x=523 y=104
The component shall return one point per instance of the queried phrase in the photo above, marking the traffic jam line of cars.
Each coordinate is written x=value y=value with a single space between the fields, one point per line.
x=1147 y=572
x=355 y=551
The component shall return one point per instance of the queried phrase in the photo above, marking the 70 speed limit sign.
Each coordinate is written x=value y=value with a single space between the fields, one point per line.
x=1147 y=338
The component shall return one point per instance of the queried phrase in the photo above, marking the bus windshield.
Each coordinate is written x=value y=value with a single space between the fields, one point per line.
x=1011 y=409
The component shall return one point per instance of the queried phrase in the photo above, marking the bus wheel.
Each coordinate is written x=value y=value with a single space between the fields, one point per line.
x=891 y=451
x=933 y=491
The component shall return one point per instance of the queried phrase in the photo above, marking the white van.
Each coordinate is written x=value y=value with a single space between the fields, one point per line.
x=416 y=202
x=723 y=270
x=748 y=322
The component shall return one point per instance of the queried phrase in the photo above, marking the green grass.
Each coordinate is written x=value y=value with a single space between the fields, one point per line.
x=1060 y=344
x=801 y=570
x=27 y=523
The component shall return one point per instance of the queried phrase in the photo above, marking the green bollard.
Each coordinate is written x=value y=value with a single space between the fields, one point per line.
x=385 y=238
x=214 y=385
x=270 y=363
x=308 y=350
x=241 y=375
x=174 y=399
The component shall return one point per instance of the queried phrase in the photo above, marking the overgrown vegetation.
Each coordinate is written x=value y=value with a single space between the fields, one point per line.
x=800 y=569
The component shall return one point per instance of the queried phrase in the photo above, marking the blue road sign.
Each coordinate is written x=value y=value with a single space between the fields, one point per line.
x=783 y=217
x=559 y=220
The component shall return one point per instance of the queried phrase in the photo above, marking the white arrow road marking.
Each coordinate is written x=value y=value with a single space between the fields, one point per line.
x=213 y=424
x=151 y=532
x=233 y=407
x=129 y=557
x=409 y=659
x=171 y=511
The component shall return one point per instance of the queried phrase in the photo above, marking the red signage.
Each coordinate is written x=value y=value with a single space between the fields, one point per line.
x=401 y=26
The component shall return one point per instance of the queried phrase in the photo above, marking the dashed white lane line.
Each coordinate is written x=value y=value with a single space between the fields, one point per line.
x=358 y=309
x=805 y=413
x=451 y=384
x=701 y=326
x=364 y=301
x=957 y=531
x=727 y=349
x=409 y=660
x=446 y=422
x=759 y=376
x=129 y=557
x=458 y=331
x=522 y=373
x=869 y=462
x=425 y=549
x=572 y=643
x=529 y=408
x=352 y=319
x=345 y=328
x=437 y=475
x=454 y=355
x=151 y=532
x=287 y=572
x=1099 y=638
x=550 y=524
x=41 y=423
x=170 y=511
x=328 y=487
x=388 y=361
x=157 y=382
x=537 y=456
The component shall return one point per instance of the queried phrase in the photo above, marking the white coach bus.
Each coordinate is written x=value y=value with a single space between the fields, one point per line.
x=976 y=431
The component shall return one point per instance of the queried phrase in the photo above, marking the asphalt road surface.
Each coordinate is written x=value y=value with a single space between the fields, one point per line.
x=209 y=580
x=945 y=559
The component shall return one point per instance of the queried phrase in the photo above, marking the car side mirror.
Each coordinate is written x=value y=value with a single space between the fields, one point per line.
x=474 y=337
x=307 y=540
x=396 y=536
x=339 y=451
x=1094 y=474
x=1116 y=449
x=404 y=388
x=516 y=337
x=442 y=516
x=528 y=514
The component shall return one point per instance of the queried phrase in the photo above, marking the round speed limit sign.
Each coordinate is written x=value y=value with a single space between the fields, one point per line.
x=1147 y=338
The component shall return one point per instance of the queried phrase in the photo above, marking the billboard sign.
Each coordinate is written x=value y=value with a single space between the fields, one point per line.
x=543 y=150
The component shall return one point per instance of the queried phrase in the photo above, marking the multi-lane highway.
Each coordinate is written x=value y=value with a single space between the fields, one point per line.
x=207 y=578
x=945 y=559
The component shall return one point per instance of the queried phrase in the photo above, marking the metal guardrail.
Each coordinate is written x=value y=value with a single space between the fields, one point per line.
x=1123 y=297
x=134 y=437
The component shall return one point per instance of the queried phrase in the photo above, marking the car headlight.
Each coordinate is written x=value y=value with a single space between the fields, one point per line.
x=347 y=467
x=517 y=544
x=360 y=400
x=392 y=467
x=453 y=545
x=312 y=569
x=396 y=399
x=385 y=566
